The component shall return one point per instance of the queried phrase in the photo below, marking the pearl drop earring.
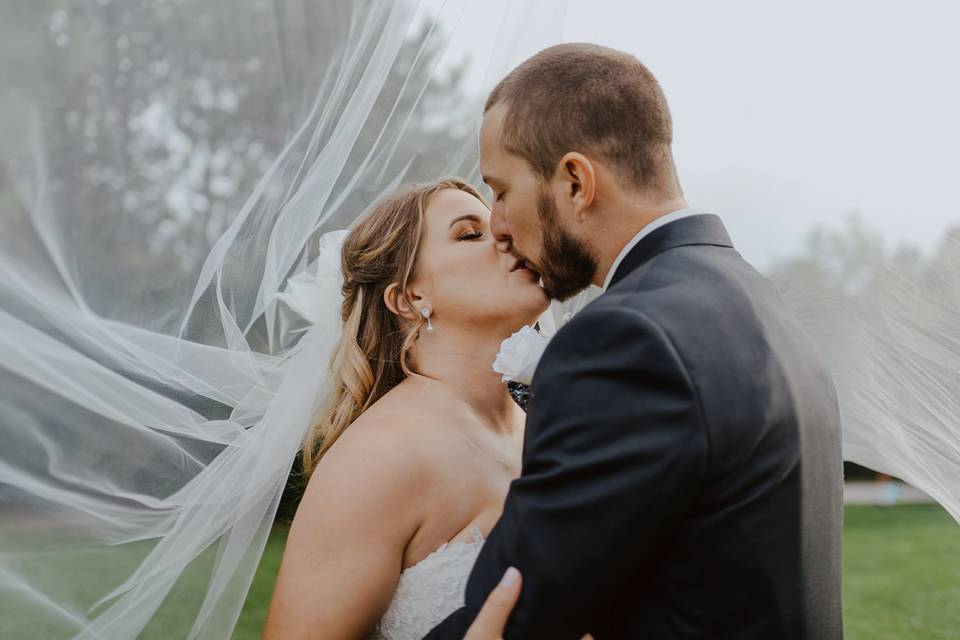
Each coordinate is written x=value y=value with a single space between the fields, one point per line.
x=425 y=312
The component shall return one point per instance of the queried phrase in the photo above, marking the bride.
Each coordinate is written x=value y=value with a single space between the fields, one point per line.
x=413 y=452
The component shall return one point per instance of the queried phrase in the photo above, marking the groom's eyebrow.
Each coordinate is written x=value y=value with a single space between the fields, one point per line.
x=469 y=216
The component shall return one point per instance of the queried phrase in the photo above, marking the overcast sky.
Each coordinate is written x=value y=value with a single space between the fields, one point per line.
x=788 y=115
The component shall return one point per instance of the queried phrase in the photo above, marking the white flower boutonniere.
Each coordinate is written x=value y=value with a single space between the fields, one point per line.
x=519 y=355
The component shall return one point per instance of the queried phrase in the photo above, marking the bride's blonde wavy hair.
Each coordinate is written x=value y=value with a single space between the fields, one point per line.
x=372 y=356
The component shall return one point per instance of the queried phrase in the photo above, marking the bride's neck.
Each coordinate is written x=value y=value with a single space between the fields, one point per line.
x=464 y=364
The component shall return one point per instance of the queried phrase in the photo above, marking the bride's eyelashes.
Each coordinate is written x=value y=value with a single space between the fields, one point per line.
x=476 y=235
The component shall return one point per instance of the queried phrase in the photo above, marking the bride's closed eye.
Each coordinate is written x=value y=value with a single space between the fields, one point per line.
x=475 y=235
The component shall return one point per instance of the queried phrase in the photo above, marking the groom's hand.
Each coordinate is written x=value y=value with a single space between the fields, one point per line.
x=492 y=619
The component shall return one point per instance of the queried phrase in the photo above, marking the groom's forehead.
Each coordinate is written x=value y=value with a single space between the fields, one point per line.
x=491 y=127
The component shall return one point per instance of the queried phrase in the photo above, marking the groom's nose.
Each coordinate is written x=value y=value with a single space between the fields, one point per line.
x=500 y=230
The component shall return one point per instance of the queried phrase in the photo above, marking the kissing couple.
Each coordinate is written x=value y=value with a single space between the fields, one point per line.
x=677 y=471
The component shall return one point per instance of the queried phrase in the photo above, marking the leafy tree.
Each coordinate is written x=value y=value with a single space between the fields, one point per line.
x=156 y=120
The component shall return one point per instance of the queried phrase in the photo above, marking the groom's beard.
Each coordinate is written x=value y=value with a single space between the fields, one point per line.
x=566 y=265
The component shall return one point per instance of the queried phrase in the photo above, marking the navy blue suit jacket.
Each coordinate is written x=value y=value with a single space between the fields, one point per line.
x=682 y=473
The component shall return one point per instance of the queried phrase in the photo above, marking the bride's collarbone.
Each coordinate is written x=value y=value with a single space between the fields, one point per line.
x=459 y=437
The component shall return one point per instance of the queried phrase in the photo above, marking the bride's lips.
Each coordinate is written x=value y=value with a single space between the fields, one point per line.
x=522 y=266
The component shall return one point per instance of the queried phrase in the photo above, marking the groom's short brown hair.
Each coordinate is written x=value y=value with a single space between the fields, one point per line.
x=588 y=98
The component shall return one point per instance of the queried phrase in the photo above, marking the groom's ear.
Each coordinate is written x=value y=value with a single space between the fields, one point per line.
x=579 y=181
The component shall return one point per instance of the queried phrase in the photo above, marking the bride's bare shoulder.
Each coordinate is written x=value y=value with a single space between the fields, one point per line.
x=397 y=423
x=387 y=456
x=365 y=501
x=408 y=416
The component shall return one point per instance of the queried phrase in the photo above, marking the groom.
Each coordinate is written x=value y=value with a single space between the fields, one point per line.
x=681 y=464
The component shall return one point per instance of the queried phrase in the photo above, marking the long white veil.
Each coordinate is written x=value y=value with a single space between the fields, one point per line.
x=168 y=169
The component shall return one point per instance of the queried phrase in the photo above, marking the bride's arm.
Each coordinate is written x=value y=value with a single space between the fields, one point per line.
x=345 y=549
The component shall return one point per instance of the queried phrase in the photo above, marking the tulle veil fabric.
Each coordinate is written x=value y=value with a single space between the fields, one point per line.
x=155 y=386
x=169 y=176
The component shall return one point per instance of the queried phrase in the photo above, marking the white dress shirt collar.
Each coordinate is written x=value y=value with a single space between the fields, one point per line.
x=647 y=230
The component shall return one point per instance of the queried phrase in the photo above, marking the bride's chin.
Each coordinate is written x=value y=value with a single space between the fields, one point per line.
x=531 y=318
x=539 y=294
x=526 y=312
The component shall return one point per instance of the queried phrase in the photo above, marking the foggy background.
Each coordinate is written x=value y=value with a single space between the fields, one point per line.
x=793 y=115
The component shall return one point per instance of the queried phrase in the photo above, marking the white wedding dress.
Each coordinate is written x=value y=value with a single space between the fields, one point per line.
x=429 y=591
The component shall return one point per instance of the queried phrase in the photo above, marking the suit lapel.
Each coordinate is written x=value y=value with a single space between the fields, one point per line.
x=705 y=229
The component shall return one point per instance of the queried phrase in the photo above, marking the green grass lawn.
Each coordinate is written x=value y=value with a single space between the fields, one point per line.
x=901 y=573
x=255 y=608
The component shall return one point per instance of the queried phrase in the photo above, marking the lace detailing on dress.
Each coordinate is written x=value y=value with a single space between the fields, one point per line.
x=429 y=591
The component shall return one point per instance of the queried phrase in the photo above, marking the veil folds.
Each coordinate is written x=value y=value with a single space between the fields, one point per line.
x=168 y=176
x=169 y=172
